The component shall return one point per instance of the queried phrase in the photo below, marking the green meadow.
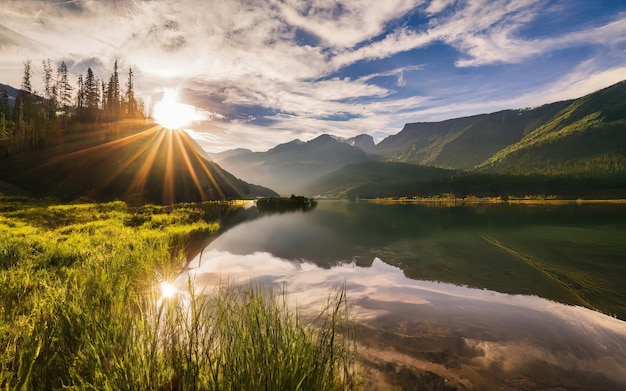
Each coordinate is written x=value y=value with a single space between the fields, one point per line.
x=81 y=307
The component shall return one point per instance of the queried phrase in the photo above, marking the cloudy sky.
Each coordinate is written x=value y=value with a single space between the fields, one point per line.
x=265 y=72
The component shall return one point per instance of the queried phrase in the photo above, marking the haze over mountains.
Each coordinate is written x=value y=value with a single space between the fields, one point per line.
x=291 y=167
x=584 y=137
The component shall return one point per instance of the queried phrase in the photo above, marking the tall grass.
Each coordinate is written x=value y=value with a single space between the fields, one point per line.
x=81 y=308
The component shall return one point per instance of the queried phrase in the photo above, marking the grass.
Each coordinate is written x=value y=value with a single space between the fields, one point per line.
x=81 y=308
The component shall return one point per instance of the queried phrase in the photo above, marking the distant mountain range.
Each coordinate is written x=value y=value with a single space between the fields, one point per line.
x=291 y=167
x=584 y=137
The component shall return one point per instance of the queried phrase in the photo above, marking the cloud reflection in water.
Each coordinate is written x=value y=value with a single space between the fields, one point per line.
x=513 y=332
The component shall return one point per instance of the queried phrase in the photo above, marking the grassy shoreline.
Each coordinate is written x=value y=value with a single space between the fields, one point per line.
x=454 y=201
x=81 y=307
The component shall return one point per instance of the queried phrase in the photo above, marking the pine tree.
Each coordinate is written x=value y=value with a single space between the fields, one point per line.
x=80 y=97
x=24 y=108
x=4 y=103
x=131 y=103
x=50 y=91
x=26 y=86
x=103 y=97
x=6 y=126
x=113 y=94
x=64 y=89
x=47 y=79
x=92 y=94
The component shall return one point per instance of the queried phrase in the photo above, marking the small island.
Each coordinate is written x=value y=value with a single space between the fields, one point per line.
x=286 y=204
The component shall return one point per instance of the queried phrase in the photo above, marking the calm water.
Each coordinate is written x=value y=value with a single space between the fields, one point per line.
x=512 y=285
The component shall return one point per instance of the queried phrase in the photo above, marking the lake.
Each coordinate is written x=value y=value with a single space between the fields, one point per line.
x=486 y=296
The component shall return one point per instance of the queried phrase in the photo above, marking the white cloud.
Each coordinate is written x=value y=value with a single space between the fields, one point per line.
x=436 y=6
x=501 y=45
x=401 y=82
x=588 y=77
x=250 y=54
x=583 y=80
x=345 y=23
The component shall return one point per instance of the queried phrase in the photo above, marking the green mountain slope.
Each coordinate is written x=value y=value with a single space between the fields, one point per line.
x=588 y=137
x=462 y=143
x=152 y=165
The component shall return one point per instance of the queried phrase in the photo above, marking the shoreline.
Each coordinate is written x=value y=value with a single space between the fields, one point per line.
x=490 y=201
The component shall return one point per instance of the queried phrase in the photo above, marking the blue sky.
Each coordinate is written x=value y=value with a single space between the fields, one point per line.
x=268 y=71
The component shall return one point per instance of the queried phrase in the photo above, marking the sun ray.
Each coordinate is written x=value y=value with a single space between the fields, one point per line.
x=208 y=173
x=119 y=143
x=189 y=165
x=168 y=175
x=124 y=165
x=138 y=185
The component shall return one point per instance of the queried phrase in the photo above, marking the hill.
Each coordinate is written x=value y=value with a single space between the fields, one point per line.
x=587 y=137
x=462 y=143
x=289 y=168
x=11 y=92
x=140 y=163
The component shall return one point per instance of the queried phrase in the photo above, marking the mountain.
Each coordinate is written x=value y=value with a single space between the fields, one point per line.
x=462 y=143
x=587 y=137
x=219 y=156
x=363 y=141
x=147 y=165
x=289 y=168
x=11 y=92
x=368 y=179
x=574 y=147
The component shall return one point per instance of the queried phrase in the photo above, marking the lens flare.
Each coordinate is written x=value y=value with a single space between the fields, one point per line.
x=172 y=114
x=168 y=290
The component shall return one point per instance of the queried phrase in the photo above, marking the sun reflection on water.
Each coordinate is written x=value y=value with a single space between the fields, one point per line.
x=168 y=290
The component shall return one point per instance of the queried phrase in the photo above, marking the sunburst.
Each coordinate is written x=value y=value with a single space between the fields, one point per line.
x=153 y=165
x=172 y=114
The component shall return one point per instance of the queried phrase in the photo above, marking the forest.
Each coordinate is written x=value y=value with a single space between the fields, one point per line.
x=37 y=119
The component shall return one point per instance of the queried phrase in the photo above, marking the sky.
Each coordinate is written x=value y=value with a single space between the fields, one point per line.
x=264 y=72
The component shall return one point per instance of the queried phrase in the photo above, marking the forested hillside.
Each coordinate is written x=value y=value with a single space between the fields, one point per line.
x=586 y=138
x=462 y=143
x=92 y=140
x=33 y=120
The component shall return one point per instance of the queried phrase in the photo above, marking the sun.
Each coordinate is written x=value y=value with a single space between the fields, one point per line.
x=172 y=114
x=168 y=290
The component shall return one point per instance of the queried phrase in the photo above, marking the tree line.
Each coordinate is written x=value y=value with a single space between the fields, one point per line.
x=36 y=119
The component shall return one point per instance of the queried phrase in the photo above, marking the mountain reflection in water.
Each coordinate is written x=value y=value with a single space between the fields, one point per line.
x=477 y=338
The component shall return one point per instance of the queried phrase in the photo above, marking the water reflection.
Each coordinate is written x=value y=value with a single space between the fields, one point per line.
x=497 y=335
x=572 y=254
x=425 y=284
